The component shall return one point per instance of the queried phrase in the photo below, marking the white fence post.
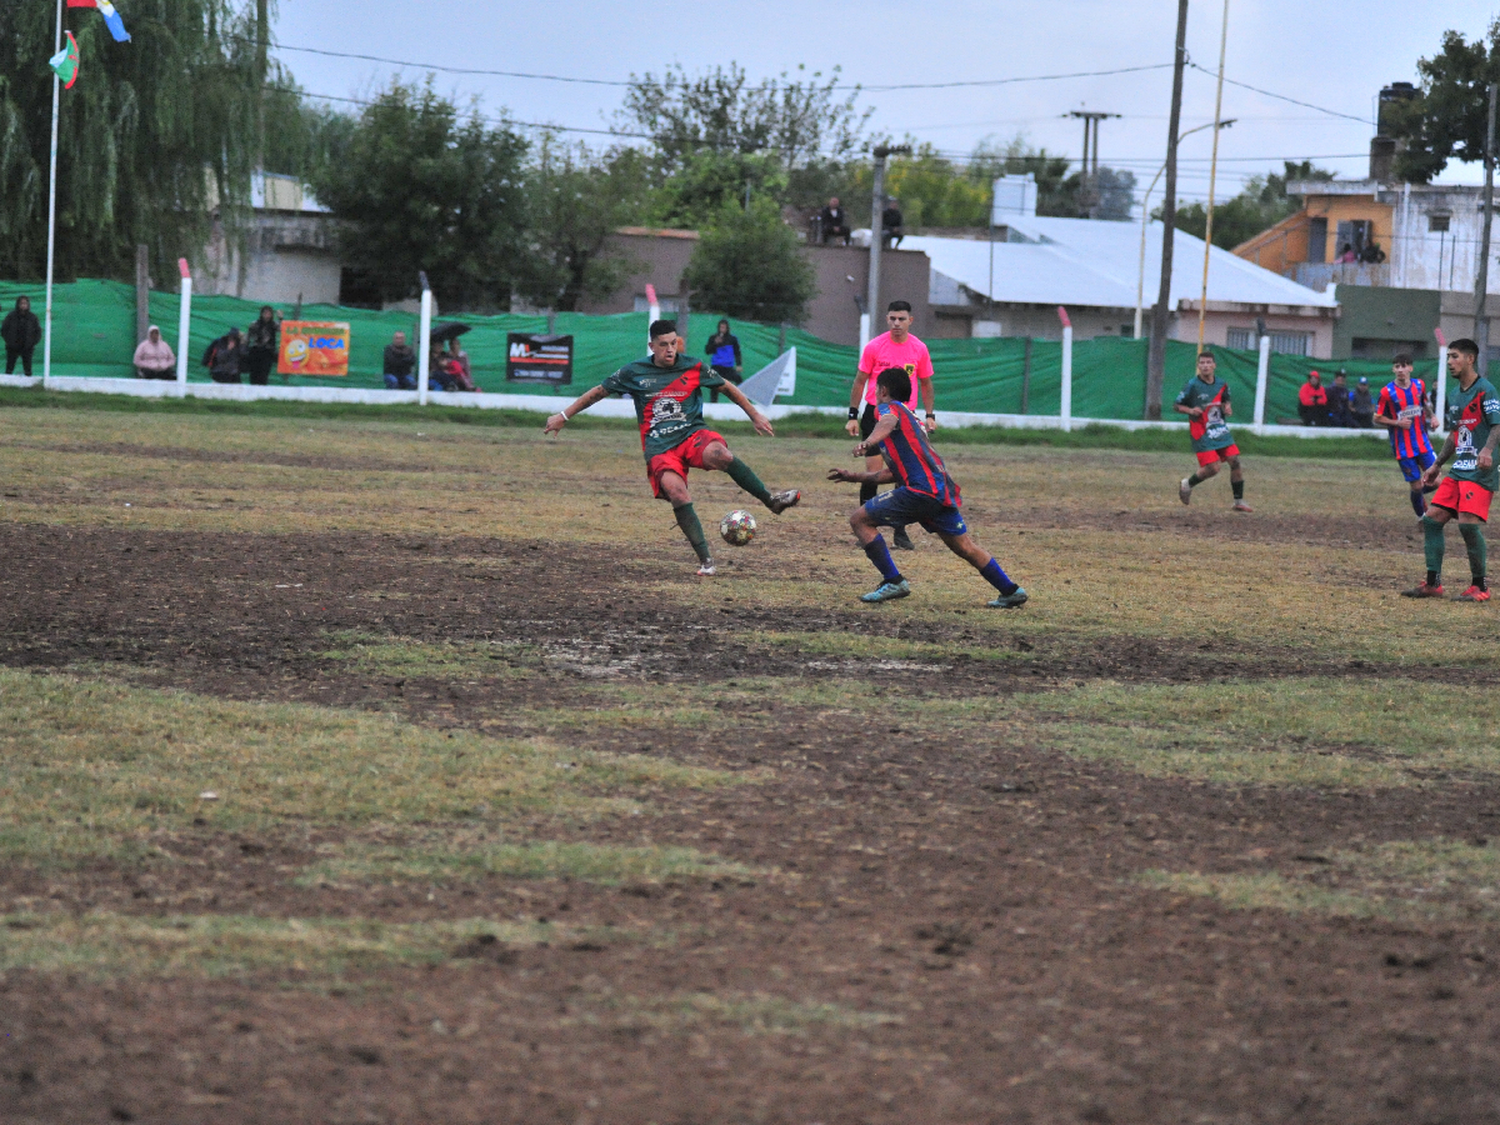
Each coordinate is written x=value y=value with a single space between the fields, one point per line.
x=424 y=357
x=1440 y=403
x=653 y=311
x=1067 y=369
x=1262 y=378
x=184 y=325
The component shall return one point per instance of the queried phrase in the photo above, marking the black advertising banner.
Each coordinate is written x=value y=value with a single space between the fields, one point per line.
x=539 y=359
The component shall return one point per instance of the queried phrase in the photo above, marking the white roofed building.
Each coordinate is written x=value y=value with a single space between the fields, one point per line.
x=1012 y=284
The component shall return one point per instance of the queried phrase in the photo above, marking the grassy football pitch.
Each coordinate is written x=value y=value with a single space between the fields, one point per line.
x=386 y=769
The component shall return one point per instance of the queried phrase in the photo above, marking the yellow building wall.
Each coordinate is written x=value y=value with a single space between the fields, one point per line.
x=1346 y=208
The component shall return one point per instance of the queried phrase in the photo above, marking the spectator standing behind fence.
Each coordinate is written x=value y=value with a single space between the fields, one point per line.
x=224 y=357
x=1312 y=401
x=1339 y=395
x=22 y=332
x=154 y=358
x=1362 y=405
x=723 y=351
x=262 y=343
x=400 y=362
x=892 y=227
x=833 y=222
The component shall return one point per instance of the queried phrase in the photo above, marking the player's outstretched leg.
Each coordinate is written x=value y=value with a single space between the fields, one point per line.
x=717 y=456
x=1473 y=533
x=1012 y=596
x=892 y=585
x=1432 y=548
x=675 y=489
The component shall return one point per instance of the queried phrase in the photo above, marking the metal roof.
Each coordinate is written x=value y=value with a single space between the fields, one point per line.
x=1096 y=262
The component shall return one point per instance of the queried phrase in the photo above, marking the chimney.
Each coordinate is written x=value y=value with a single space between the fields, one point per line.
x=1383 y=145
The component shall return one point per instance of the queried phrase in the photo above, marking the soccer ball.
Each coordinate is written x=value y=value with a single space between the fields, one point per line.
x=737 y=528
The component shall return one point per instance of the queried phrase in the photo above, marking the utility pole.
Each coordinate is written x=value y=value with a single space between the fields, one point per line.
x=881 y=152
x=1157 y=356
x=1088 y=195
x=1213 y=174
x=1482 y=279
x=262 y=46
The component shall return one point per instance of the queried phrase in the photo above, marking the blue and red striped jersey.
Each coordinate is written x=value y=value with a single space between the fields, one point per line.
x=911 y=459
x=1396 y=402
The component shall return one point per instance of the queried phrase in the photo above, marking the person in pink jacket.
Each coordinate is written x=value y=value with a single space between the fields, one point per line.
x=154 y=358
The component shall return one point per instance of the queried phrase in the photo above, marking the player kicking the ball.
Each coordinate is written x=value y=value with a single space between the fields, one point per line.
x=926 y=494
x=668 y=393
x=1205 y=400
x=1473 y=433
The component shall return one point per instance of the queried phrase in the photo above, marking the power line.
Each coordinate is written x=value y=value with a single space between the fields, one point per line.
x=1280 y=97
x=1009 y=81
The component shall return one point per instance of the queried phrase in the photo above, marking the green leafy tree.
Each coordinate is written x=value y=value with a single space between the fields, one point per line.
x=155 y=131
x=574 y=200
x=1447 y=120
x=1262 y=204
x=421 y=187
x=748 y=265
x=1054 y=197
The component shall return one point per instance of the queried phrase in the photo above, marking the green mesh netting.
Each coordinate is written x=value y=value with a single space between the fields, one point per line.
x=94 y=330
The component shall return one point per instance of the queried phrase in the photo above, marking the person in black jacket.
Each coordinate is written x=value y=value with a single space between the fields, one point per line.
x=22 y=332
x=833 y=222
x=723 y=351
x=261 y=345
x=224 y=357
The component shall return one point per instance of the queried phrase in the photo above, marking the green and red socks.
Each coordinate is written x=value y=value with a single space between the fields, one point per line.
x=687 y=519
x=744 y=476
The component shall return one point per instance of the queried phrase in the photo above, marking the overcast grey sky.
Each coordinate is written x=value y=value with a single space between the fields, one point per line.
x=1333 y=55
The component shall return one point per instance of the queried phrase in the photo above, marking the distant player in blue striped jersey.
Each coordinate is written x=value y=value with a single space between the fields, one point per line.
x=1403 y=411
x=926 y=495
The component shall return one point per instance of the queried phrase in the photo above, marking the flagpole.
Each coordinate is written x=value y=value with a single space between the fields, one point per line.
x=52 y=209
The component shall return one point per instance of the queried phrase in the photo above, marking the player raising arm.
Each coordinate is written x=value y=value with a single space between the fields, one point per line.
x=1473 y=432
x=668 y=393
x=1403 y=412
x=926 y=494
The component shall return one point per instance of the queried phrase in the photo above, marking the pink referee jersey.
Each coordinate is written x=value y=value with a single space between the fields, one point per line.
x=910 y=355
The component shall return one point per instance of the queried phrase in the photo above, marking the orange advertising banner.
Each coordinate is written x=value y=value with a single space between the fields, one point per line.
x=313 y=347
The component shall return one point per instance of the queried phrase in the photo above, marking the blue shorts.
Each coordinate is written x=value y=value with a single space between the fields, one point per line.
x=902 y=506
x=1413 y=467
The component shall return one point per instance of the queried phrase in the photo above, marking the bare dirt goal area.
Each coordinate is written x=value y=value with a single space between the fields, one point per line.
x=412 y=777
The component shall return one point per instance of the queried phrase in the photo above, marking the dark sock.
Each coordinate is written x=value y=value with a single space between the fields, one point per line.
x=744 y=476
x=1238 y=487
x=879 y=554
x=687 y=519
x=867 y=492
x=1473 y=535
x=1432 y=545
x=1418 y=505
x=1432 y=578
x=1194 y=481
x=997 y=578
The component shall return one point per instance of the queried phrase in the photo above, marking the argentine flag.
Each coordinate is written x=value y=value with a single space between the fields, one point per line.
x=112 y=18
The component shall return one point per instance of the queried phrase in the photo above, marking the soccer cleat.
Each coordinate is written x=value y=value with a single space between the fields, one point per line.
x=1473 y=594
x=781 y=501
x=707 y=569
x=1422 y=590
x=1241 y=506
x=887 y=592
x=1185 y=490
x=1013 y=600
x=902 y=541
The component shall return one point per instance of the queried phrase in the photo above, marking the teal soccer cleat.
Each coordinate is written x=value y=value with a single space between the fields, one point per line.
x=1013 y=600
x=887 y=592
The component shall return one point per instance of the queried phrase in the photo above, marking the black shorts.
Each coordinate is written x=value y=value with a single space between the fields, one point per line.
x=867 y=421
x=729 y=375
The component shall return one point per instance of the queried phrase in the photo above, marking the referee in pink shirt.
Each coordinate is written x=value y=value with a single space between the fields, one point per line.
x=896 y=348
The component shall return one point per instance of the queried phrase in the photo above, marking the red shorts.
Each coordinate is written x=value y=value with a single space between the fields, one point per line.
x=1218 y=455
x=680 y=457
x=1463 y=496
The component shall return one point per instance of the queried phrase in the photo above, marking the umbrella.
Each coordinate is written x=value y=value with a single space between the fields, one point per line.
x=449 y=330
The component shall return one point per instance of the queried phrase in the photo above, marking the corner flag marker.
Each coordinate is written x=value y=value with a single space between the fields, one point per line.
x=64 y=64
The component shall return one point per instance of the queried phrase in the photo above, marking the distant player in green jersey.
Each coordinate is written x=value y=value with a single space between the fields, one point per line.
x=1205 y=400
x=668 y=393
x=1473 y=433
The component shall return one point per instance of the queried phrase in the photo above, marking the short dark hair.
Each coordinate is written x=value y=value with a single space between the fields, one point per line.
x=1467 y=346
x=662 y=328
x=1209 y=352
x=896 y=381
x=898 y=306
x=1401 y=357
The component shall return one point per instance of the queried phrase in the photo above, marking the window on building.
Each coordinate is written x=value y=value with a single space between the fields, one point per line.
x=1437 y=223
x=1241 y=338
x=1352 y=234
x=1291 y=343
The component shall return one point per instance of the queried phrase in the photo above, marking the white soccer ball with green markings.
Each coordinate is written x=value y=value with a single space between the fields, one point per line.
x=737 y=528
